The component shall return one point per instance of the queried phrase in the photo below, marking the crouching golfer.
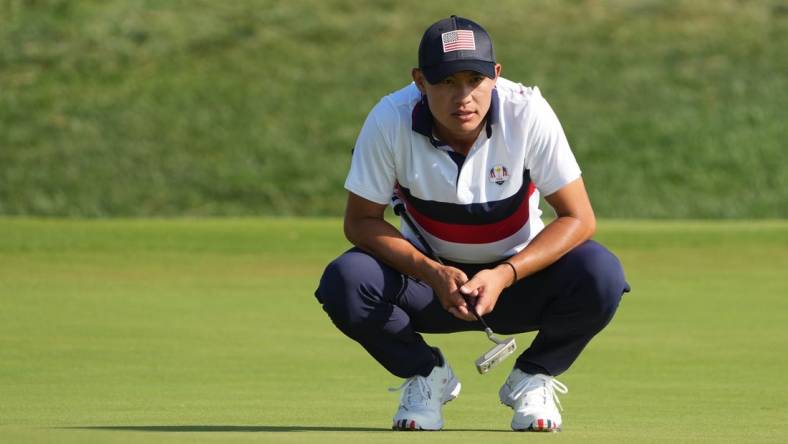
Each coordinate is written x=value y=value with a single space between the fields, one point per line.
x=469 y=153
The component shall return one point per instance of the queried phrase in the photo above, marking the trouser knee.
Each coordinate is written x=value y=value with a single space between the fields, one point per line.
x=600 y=280
x=352 y=289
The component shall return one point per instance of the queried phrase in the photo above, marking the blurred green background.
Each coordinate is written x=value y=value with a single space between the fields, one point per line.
x=160 y=108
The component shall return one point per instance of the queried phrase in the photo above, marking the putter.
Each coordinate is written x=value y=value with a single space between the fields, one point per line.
x=503 y=347
x=502 y=350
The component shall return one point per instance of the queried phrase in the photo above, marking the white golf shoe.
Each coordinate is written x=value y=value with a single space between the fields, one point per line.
x=422 y=399
x=534 y=399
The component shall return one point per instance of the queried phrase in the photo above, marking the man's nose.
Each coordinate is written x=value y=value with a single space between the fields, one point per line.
x=462 y=93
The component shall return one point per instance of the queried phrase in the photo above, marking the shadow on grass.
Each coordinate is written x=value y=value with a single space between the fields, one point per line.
x=241 y=428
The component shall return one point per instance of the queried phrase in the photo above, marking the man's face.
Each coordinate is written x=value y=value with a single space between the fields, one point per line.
x=459 y=102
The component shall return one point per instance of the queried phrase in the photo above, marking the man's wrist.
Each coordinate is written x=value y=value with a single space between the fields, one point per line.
x=429 y=270
x=507 y=268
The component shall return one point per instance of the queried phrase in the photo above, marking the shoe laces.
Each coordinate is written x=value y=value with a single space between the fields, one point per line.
x=547 y=383
x=415 y=391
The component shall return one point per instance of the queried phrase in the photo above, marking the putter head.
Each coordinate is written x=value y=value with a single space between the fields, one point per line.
x=501 y=351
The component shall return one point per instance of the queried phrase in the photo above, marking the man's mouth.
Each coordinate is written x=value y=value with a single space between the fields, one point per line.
x=464 y=115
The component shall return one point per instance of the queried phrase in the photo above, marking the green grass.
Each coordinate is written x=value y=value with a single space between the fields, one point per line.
x=152 y=107
x=207 y=331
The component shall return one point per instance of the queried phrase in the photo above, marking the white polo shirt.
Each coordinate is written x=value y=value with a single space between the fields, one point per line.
x=479 y=208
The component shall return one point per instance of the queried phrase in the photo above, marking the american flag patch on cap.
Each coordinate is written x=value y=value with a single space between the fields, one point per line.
x=460 y=40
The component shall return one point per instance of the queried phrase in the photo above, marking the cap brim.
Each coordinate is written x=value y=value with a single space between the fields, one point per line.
x=435 y=74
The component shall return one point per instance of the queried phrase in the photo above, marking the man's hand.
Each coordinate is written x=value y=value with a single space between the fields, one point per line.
x=486 y=287
x=446 y=282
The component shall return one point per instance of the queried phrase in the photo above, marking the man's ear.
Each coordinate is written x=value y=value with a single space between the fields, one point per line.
x=418 y=79
x=497 y=74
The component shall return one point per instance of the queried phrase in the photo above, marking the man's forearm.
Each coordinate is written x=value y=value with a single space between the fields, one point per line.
x=384 y=241
x=555 y=240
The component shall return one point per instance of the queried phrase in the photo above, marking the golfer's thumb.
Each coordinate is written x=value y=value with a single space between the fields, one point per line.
x=470 y=288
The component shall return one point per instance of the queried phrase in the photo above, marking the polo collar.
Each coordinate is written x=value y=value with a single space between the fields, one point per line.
x=422 y=118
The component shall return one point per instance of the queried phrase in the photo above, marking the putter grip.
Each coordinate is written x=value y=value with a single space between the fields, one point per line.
x=472 y=306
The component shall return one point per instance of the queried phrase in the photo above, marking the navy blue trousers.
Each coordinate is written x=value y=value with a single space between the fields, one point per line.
x=383 y=310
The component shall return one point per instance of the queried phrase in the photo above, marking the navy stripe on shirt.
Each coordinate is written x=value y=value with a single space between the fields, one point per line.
x=469 y=214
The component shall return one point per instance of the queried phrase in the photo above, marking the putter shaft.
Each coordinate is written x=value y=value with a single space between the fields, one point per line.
x=472 y=306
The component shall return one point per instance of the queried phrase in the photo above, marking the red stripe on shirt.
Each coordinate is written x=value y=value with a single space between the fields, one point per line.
x=474 y=234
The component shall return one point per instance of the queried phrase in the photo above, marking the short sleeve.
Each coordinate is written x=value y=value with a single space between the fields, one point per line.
x=550 y=160
x=372 y=174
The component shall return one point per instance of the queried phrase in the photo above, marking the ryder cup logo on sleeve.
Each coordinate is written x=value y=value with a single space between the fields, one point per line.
x=458 y=41
x=499 y=174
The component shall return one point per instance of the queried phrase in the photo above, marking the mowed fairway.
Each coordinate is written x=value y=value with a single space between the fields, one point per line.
x=207 y=331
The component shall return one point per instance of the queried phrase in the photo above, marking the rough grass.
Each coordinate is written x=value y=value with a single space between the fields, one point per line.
x=207 y=331
x=674 y=108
